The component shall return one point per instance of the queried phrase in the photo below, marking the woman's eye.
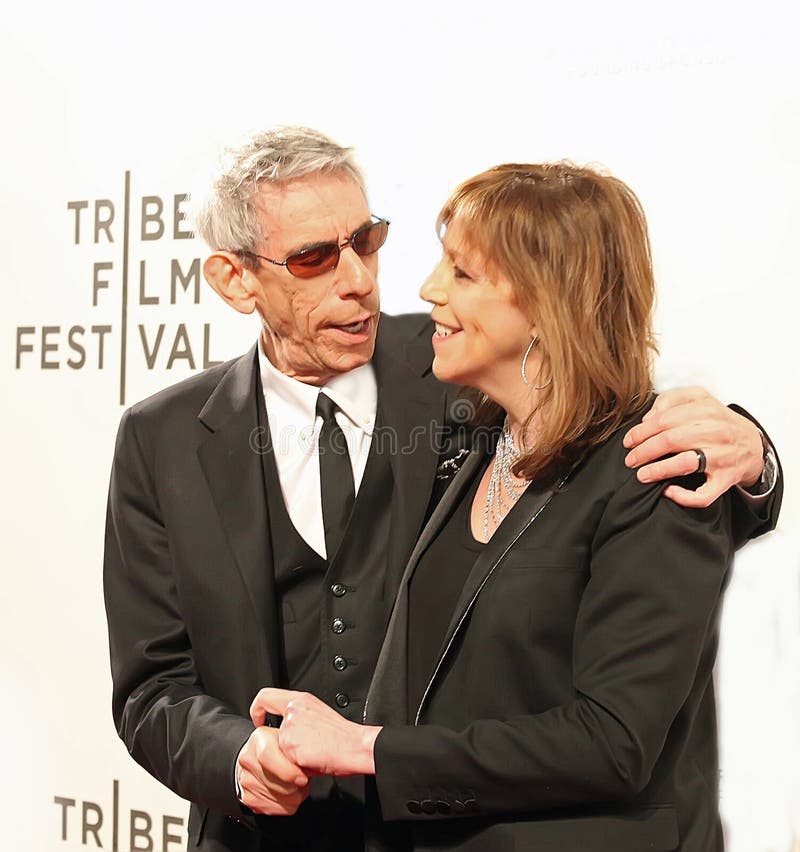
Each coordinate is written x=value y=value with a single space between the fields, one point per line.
x=459 y=273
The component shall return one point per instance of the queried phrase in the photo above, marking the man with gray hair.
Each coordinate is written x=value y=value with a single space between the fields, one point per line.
x=261 y=513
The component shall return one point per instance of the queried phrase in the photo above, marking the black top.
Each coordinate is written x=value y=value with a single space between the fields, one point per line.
x=434 y=590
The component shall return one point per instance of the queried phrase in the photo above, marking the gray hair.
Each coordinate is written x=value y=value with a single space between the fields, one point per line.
x=226 y=216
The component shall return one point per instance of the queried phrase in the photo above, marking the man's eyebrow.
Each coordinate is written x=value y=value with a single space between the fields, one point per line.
x=319 y=243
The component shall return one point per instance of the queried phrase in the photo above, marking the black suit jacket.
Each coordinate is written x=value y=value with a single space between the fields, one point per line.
x=572 y=704
x=188 y=577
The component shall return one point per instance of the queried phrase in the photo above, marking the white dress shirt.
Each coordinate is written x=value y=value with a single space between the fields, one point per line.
x=294 y=428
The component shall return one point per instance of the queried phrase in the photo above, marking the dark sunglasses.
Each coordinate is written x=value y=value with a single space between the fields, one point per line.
x=324 y=257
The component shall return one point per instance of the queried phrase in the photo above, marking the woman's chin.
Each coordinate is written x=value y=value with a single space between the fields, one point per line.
x=445 y=372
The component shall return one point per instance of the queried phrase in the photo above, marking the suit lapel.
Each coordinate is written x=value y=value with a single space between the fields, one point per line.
x=231 y=462
x=411 y=403
x=452 y=497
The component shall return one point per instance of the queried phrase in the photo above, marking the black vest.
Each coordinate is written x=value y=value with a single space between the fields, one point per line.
x=333 y=619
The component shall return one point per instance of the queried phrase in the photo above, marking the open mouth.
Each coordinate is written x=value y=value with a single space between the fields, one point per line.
x=354 y=327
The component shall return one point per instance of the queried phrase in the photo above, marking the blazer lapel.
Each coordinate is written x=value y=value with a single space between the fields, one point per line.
x=231 y=462
x=505 y=537
x=386 y=697
x=411 y=404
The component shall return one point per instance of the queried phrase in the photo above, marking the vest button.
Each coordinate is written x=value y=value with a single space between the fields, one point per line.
x=338 y=626
x=339 y=663
x=342 y=700
x=338 y=590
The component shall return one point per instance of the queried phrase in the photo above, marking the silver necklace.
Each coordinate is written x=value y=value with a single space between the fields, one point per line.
x=504 y=489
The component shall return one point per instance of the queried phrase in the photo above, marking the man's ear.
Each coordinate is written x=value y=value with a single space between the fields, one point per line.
x=225 y=272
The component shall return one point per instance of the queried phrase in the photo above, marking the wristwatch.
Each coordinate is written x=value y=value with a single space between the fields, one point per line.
x=766 y=482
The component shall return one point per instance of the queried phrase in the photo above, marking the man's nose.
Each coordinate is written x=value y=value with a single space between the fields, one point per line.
x=352 y=275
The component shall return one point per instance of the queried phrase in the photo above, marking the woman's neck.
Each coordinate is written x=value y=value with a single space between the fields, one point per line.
x=522 y=426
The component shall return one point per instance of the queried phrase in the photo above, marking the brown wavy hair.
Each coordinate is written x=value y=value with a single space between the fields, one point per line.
x=574 y=245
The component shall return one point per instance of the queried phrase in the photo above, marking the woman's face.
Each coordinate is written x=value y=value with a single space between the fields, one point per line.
x=481 y=332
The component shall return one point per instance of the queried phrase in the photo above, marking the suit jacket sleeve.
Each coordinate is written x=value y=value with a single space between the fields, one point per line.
x=184 y=737
x=644 y=638
x=752 y=518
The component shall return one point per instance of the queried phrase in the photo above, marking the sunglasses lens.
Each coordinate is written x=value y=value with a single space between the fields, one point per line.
x=368 y=240
x=320 y=259
x=314 y=261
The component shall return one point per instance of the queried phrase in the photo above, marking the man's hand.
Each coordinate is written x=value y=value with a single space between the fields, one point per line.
x=688 y=419
x=270 y=783
x=315 y=736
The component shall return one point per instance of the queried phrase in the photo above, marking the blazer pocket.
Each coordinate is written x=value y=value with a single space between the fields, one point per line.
x=534 y=596
x=532 y=558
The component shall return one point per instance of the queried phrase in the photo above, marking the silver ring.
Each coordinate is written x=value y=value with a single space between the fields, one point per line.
x=701 y=461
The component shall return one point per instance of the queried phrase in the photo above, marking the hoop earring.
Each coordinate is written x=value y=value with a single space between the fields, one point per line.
x=525 y=363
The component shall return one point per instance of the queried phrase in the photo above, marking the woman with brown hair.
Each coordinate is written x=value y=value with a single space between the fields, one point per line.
x=545 y=683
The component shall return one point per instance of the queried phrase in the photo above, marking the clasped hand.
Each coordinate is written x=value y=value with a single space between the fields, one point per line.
x=275 y=765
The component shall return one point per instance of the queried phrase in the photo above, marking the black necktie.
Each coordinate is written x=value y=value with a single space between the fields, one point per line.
x=336 y=476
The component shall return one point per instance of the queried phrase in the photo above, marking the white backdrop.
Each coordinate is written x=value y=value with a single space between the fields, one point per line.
x=695 y=105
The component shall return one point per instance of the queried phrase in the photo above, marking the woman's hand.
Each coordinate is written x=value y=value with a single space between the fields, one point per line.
x=316 y=737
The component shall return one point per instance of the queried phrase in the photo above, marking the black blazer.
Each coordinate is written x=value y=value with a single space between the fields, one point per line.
x=572 y=704
x=188 y=578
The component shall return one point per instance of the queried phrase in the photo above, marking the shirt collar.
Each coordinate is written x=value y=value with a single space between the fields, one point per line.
x=355 y=392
